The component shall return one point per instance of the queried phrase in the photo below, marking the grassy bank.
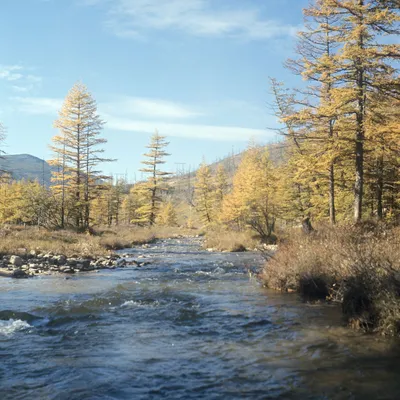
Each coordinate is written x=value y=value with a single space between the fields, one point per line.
x=356 y=266
x=18 y=240
x=223 y=240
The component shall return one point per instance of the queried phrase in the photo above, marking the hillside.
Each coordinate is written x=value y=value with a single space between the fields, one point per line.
x=26 y=166
x=182 y=185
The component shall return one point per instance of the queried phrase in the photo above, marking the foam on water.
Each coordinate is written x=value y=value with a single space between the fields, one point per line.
x=7 y=328
x=133 y=303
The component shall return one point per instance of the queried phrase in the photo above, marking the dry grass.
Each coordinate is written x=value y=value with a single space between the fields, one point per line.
x=223 y=240
x=18 y=240
x=357 y=266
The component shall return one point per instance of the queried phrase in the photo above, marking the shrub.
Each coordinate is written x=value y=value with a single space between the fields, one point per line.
x=358 y=266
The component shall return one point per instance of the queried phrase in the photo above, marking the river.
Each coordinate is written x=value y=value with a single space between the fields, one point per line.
x=192 y=325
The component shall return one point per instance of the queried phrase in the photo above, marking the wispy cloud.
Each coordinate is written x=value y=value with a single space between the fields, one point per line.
x=143 y=116
x=19 y=77
x=38 y=105
x=11 y=72
x=132 y=18
x=190 y=131
x=149 y=108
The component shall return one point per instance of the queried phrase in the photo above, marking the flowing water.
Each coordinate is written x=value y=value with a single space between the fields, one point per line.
x=191 y=325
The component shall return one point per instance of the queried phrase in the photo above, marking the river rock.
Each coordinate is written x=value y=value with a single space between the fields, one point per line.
x=61 y=259
x=16 y=261
x=33 y=253
x=71 y=262
x=67 y=270
x=83 y=263
x=19 y=274
x=120 y=263
x=133 y=262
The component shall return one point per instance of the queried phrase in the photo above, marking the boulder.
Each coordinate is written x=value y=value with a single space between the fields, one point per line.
x=61 y=259
x=83 y=263
x=71 y=262
x=16 y=261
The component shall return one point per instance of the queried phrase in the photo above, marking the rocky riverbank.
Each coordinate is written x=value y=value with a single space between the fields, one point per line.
x=33 y=264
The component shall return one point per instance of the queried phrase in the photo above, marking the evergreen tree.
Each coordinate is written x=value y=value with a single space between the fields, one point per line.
x=155 y=184
x=204 y=193
x=252 y=202
x=221 y=186
x=334 y=123
x=318 y=138
x=167 y=215
x=140 y=204
x=364 y=70
x=77 y=154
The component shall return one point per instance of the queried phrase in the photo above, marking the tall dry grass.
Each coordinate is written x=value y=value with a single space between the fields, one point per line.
x=358 y=266
x=18 y=240
x=224 y=240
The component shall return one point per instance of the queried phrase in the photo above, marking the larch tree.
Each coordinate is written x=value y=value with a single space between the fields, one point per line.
x=317 y=47
x=167 y=215
x=205 y=193
x=336 y=121
x=155 y=184
x=252 y=202
x=221 y=186
x=139 y=205
x=365 y=69
x=77 y=154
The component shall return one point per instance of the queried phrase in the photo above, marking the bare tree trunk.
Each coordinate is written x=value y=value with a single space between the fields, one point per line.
x=360 y=132
x=332 y=209
x=379 y=188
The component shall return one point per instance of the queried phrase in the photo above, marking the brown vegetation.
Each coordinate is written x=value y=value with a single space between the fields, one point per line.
x=223 y=240
x=358 y=266
x=18 y=240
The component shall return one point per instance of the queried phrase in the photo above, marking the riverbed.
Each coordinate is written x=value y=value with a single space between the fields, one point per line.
x=190 y=325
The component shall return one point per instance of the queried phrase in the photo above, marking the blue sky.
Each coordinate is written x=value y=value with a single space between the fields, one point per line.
x=196 y=70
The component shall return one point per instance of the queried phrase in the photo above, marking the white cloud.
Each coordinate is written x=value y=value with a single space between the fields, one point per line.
x=191 y=131
x=18 y=76
x=38 y=105
x=130 y=18
x=149 y=108
x=130 y=116
x=10 y=72
x=21 y=89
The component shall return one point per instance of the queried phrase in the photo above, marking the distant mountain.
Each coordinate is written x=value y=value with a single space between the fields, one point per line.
x=26 y=166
